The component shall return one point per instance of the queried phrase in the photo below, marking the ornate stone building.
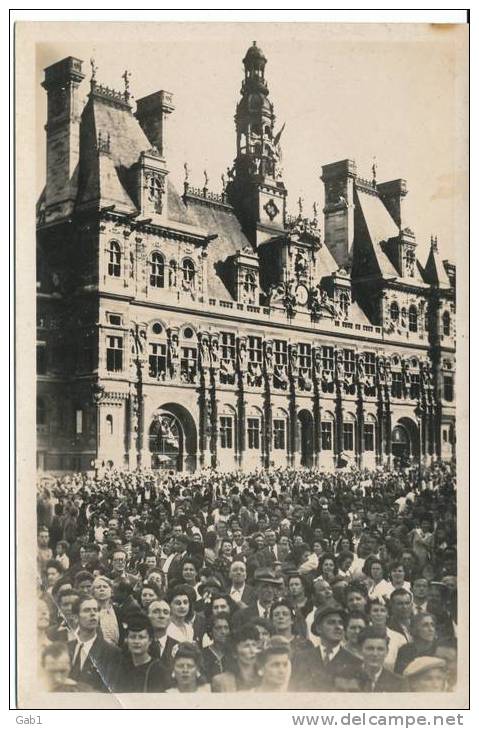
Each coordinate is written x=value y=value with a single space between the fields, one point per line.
x=215 y=329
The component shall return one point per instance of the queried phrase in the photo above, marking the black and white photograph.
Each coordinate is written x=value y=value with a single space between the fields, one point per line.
x=247 y=413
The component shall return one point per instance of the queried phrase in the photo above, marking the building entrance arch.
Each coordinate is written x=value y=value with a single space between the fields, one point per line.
x=173 y=439
x=305 y=432
x=405 y=440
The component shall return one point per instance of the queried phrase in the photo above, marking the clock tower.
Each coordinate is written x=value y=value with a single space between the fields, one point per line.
x=256 y=189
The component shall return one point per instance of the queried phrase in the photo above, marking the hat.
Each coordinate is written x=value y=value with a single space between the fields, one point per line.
x=422 y=664
x=267 y=576
x=211 y=584
x=320 y=615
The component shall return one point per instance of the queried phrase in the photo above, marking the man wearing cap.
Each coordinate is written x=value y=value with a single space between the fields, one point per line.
x=426 y=674
x=267 y=588
x=330 y=656
x=373 y=645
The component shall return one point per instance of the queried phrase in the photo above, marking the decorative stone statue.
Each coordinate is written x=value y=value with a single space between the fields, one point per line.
x=293 y=361
x=339 y=366
x=268 y=359
x=215 y=352
x=205 y=356
x=317 y=363
x=242 y=356
x=174 y=352
x=360 y=371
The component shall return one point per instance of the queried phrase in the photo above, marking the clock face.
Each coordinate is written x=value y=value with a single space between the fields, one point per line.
x=301 y=294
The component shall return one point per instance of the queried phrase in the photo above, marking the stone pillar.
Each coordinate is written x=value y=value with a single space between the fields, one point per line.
x=241 y=420
x=339 y=446
x=214 y=420
x=268 y=421
x=360 y=429
x=293 y=425
x=380 y=435
x=388 y=432
x=317 y=428
x=132 y=431
x=203 y=423
x=143 y=440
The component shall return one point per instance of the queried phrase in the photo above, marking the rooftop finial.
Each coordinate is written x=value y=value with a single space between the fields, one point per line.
x=126 y=77
x=207 y=179
x=223 y=182
x=374 y=170
x=94 y=69
x=300 y=206
x=315 y=210
x=434 y=243
x=187 y=171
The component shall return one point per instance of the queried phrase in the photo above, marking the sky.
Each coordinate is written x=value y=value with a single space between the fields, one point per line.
x=396 y=93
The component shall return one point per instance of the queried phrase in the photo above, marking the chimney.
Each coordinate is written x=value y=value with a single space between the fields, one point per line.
x=338 y=178
x=391 y=193
x=151 y=112
x=61 y=83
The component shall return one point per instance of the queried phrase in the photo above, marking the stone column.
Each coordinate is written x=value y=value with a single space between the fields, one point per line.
x=268 y=421
x=214 y=420
x=360 y=431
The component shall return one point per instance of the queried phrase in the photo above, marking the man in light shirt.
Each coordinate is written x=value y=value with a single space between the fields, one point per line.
x=240 y=592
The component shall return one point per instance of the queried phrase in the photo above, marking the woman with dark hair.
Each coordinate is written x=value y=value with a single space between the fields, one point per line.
x=344 y=544
x=378 y=587
x=424 y=643
x=188 y=670
x=299 y=593
x=138 y=672
x=344 y=560
x=149 y=592
x=285 y=624
x=265 y=631
x=327 y=568
x=275 y=667
x=242 y=671
x=157 y=576
x=218 y=629
x=210 y=552
x=188 y=573
x=181 y=599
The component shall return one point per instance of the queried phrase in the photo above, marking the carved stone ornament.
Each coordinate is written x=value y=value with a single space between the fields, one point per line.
x=271 y=209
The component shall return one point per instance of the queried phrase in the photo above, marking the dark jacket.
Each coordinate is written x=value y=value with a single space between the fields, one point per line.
x=151 y=677
x=387 y=682
x=100 y=670
x=409 y=652
x=320 y=676
x=165 y=658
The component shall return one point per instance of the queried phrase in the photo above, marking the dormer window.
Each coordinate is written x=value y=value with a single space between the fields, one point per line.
x=188 y=271
x=394 y=312
x=250 y=287
x=410 y=261
x=157 y=270
x=344 y=304
x=114 y=262
x=155 y=192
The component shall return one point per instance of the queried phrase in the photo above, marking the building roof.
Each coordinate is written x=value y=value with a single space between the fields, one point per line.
x=434 y=272
x=379 y=227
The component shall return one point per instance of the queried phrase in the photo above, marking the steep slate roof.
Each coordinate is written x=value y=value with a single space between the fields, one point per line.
x=223 y=223
x=434 y=272
x=378 y=226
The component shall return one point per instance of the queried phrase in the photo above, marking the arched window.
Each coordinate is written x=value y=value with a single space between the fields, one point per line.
x=114 y=262
x=446 y=324
x=410 y=260
x=188 y=271
x=157 y=270
x=250 y=287
x=412 y=319
x=394 y=312
x=109 y=424
x=41 y=411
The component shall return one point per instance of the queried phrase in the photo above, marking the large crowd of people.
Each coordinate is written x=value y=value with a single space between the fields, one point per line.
x=280 y=580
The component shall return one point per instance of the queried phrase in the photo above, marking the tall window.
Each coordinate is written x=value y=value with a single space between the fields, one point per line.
x=157 y=270
x=328 y=358
x=369 y=436
x=114 y=354
x=415 y=385
x=326 y=435
x=410 y=260
x=396 y=384
x=348 y=436
x=114 y=262
x=41 y=358
x=280 y=352
x=370 y=363
x=157 y=360
x=109 y=424
x=446 y=324
x=394 y=311
x=412 y=319
x=253 y=433
x=226 y=432
x=255 y=349
x=228 y=357
x=349 y=361
x=188 y=363
x=304 y=352
x=448 y=388
x=279 y=435
x=188 y=271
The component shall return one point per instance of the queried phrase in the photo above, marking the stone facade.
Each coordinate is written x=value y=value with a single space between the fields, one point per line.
x=215 y=329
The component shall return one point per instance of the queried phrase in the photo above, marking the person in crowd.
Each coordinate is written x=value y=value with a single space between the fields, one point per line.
x=400 y=613
x=298 y=588
x=94 y=661
x=149 y=592
x=379 y=587
x=265 y=630
x=267 y=587
x=181 y=599
x=373 y=643
x=218 y=629
x=64 y=628
x=56 y=668
x=424 y=641
x=274 y=666
x=43 y=624
x=162 y=644
x=242 y=672
x=188 y=670
x=239 y=591
x=138 y=671
x=426 y=674
x=378 y=616
x=110 y=618
x=330 y=655
x=354 y=624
